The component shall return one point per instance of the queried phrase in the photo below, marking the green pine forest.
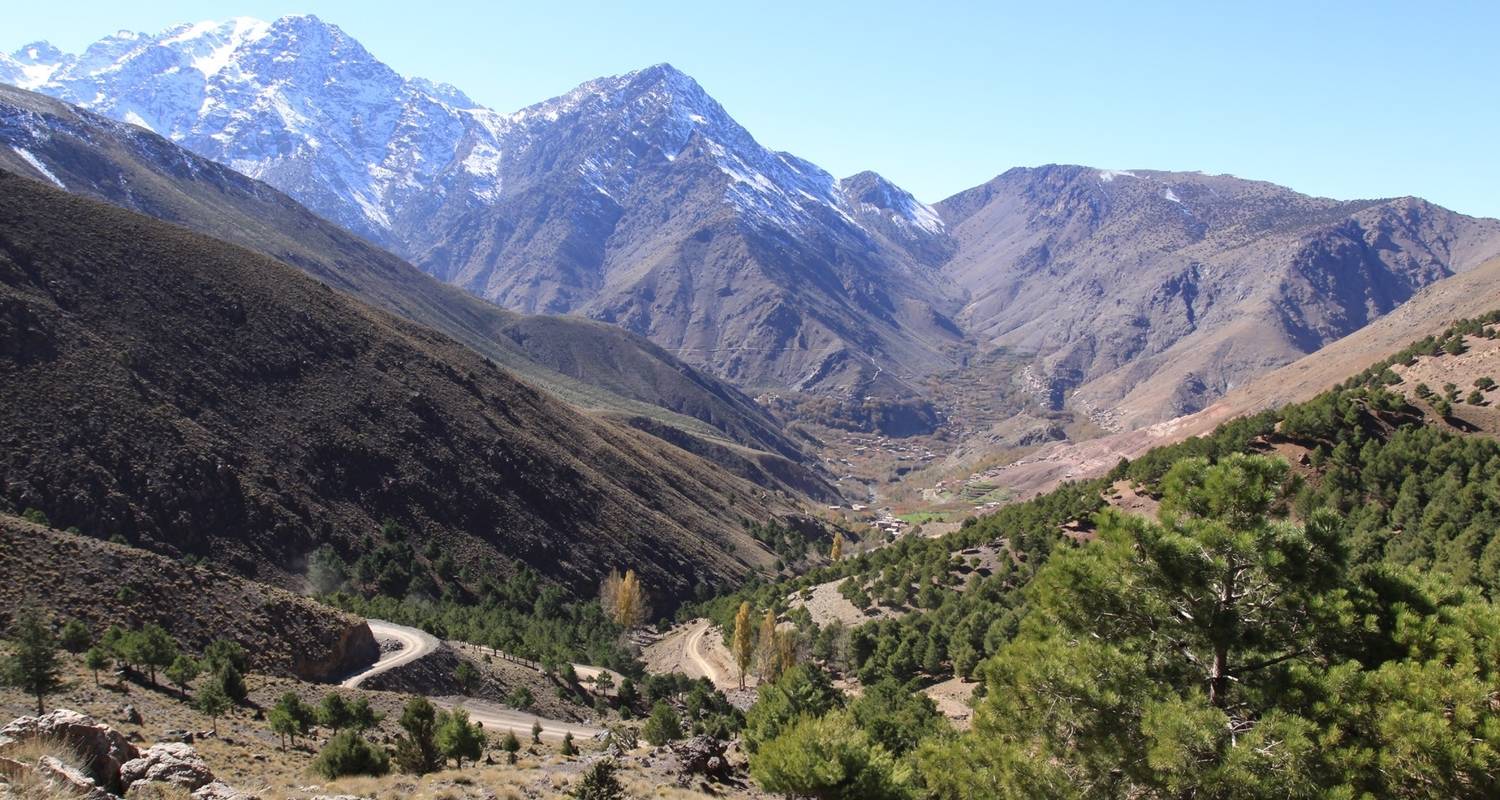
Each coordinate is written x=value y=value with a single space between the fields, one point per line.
x=1320 y=629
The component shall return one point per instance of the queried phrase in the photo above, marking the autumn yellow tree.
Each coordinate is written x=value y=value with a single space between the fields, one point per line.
x=766 y=655
x=623 y=599
x=786 y=651
x=837 y=551
x=744 y=647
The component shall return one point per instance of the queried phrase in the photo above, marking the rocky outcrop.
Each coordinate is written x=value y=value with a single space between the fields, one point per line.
x=354 y=647
x=67 y=780
x=218 y=790
x=701 y=755
x=101 y=747
x=114 y=766
x=170 y=762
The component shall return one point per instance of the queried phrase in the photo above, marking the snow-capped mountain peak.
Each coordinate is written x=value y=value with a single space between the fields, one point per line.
x=301 y=104
x=211 y=45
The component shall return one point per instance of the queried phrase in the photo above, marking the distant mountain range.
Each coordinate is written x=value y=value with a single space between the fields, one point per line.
x=637 y=200
x=596 y=367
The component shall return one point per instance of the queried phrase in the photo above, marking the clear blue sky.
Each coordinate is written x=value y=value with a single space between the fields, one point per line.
x=1367 y=99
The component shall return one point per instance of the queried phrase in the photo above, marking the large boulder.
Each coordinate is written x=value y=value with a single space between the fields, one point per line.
x=701 y=755
x=103 y=748
x=168 y=762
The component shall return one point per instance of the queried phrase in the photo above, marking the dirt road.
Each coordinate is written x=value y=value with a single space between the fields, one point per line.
x=694 y=649
x=414 y=645
x=497 y=718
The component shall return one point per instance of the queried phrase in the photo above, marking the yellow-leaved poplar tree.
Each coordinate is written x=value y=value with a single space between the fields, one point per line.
x=766 y=656
x=744 y=646
x=623 y=598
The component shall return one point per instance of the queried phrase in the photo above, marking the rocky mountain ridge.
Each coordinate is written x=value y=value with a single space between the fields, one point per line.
x=594 y=366
x=638 y=200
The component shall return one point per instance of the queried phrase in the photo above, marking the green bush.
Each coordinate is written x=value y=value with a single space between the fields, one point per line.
x=36 y=516
x=663 y=726
x=599 y=783
x=347 y=753
x=829 y=757
x=75 y=637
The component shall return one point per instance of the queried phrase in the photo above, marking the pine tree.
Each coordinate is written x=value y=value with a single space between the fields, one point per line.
x=744 y=647
x=33 y=666
x=349 y=754
x=837 y=551
x=334 y=712
x=182 y=672
x=361 y=716
x=153 y=648
x=663 y=726
x=536 y=732
x=568 y=748
x=599 y=783
x=96 y=659
x=416 y=750
x=75 y=637
x=466 y=676
x=458 y=739
x=212 y=702
x=829 y=757
x=290 y=717
x=232 y=683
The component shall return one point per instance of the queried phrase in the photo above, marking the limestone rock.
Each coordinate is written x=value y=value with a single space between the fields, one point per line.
x=102 y=747
x=218 y=790
x=169 y=762
x=69 y=781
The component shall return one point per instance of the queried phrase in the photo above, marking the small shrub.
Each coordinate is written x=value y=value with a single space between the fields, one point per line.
x=36 y=516
x=511 y=745
x=663 y=726
x=467 y=677
x=75 y=637
x=347 y=753
x=599 y=783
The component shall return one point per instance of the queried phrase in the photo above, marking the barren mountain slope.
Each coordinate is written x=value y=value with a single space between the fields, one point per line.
x=283 y=634
x=1432 y=309
x=198 y=398
x=1149 y=294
